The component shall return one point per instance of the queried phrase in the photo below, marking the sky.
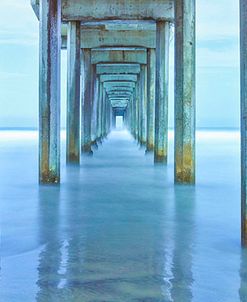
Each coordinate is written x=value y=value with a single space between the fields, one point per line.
x=217 y=73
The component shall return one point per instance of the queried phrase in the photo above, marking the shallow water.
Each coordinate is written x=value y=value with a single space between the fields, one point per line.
x=117 y=229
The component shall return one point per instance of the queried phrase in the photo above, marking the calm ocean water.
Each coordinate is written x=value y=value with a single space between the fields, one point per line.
x=117 y=229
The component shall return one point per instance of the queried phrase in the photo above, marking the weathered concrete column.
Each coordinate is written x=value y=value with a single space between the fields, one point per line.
x=95 y=97
x=113 y=119
x=108 y=117
x=139 y=110
x=104 y=114
x=143 y=104
x=132 y=114
x=49 y=91
x=99 y=123
x=243 y=66
x=139 y=94
x=86 y=102
x=137 y=97
x=150 y=98
x=185 y=91
x=73 y=92
x=126 y=117
x=110 y=120
x=161 y=92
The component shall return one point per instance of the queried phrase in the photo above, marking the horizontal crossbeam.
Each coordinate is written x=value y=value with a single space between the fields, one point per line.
x=107 y=55
x=118 y=68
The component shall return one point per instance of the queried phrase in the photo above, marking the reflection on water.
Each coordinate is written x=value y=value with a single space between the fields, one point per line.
x=117 y=229
x=50 y=256
x=243 y=277
x=183 y=244
x=98 y=250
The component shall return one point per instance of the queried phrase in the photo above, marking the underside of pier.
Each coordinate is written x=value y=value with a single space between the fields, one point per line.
x=118 y=66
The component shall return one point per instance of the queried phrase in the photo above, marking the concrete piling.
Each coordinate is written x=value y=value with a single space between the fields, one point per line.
x=161 y=92
x=49 y=91
x=73 y=92
x=86 y=110
x=185 y=91
x=150 y=98
x=243 y=69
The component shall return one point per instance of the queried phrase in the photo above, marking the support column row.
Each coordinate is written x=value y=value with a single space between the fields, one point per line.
x=50 y=32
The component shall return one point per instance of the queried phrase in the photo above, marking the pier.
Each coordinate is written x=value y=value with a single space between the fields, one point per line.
x=123 y=166
x=118 y=59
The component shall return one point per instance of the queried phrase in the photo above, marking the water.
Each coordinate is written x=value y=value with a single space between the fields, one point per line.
x=117 y=229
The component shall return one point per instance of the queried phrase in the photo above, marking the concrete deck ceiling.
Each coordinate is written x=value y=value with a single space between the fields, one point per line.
x=118 y=25
x=123 y=94
x=118 y=68
x=118 y=78
x=114 y=23
x=115 y=92
x=119 y=55
x=119 y=92
x=116 y=103
x=99 y=38
x=99 y=10
x=112 y=32
x=118 y=84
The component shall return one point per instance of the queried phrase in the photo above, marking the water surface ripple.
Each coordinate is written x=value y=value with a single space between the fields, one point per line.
x=117 y=229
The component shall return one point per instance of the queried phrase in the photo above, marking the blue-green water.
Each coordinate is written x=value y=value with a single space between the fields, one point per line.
x=117 y=229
